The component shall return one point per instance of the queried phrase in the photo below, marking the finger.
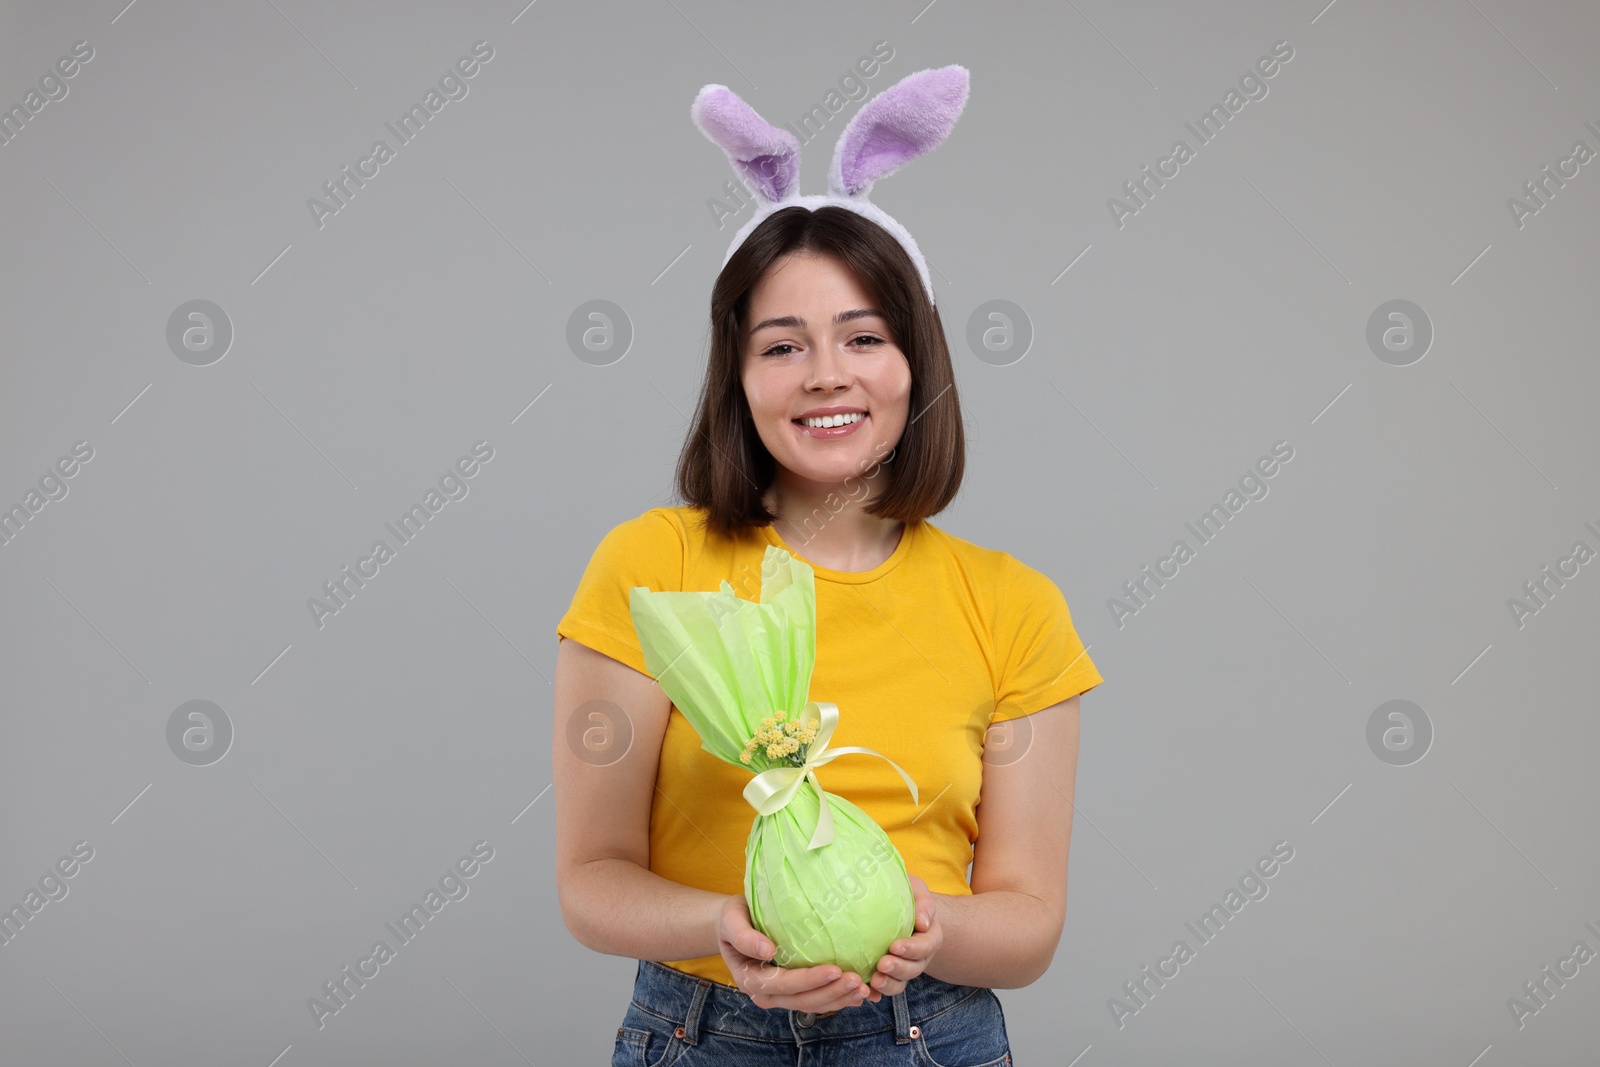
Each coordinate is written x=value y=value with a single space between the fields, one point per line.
x=769 y=978
x=915 y=947
x=843 y=992
x=884 y=986
x=889 y=970
x=867 y=989
x=894 y=974
x=892 y=989
x=752 y=944
x=922 y=901
x=819 y=977
x=747 y=939
x=860 y=993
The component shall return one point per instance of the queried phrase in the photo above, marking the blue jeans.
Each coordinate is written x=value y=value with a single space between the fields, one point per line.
x=677 y=1020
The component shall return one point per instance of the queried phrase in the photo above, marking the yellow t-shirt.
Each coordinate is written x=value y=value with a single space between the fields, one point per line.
x=920 y=653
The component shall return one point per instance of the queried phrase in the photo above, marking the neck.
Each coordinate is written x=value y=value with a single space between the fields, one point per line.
x=823 y=524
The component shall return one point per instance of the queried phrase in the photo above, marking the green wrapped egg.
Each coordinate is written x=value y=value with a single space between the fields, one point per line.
x=822 y=880
x=844 y=903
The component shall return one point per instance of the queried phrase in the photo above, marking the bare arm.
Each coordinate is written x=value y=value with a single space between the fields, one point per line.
x=610 y=900
x=1005 y=934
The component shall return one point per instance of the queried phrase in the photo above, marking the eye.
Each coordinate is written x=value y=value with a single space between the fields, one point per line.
x=773 y=351
x=869 y=337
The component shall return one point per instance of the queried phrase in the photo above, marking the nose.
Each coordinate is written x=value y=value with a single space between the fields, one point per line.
x=827 y=370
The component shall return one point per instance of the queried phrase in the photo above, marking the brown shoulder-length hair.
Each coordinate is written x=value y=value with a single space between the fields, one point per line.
x=724 y=466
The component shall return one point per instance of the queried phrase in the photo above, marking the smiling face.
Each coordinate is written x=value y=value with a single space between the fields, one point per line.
x=815 y=342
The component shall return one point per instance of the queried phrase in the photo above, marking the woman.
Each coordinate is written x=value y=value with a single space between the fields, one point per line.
x=923 y=640
x=828 y=425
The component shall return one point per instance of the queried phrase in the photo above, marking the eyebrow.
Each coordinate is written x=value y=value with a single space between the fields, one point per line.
x=796 y=322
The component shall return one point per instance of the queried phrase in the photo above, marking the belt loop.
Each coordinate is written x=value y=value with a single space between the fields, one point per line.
x=902 y=1018
x=691 y=1024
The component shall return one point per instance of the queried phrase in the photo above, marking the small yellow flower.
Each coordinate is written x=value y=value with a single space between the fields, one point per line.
x=781 y=738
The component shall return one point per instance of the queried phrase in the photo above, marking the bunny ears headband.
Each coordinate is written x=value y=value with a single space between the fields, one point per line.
x=909 y=119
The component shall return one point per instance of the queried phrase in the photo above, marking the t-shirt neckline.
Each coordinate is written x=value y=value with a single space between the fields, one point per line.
x=828 y=574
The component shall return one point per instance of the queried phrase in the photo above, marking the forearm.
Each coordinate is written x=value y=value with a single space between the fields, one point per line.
x=617 y=907
x=1000 y=939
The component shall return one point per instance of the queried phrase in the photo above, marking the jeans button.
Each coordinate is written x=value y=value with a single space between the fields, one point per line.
x=807 y=1018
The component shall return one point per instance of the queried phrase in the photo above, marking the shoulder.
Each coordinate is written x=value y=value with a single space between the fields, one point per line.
x=656 y=523
x=1007 y=586
x=654 y=543
x=683 y=524
x=988 y=568
x=1029 y=597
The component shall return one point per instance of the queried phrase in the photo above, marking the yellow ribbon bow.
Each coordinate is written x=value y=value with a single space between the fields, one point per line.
x=772 y=789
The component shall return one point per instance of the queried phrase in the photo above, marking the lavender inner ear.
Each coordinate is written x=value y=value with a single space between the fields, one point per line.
x=772 y=174
x=909 y=119
x=882 y=151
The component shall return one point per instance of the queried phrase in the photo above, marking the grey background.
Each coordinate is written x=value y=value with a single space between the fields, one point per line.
x=369 y=355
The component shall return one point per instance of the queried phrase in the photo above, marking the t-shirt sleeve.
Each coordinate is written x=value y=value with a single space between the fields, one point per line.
x=647 y=550
x=1042 y=660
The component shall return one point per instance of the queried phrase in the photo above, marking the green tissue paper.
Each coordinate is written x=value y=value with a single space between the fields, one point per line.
x=823 y=881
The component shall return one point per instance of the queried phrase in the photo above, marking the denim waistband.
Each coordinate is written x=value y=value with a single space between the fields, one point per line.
x=698 y=1004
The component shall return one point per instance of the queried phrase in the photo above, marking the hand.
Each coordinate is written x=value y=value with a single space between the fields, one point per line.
x=748 y=955
x=910 y=956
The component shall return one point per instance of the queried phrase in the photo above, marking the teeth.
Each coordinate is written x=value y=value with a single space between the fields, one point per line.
x=833 y=420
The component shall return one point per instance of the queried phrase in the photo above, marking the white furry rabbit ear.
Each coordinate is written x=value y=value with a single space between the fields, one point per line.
x=909 y=119
x=763 y=155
